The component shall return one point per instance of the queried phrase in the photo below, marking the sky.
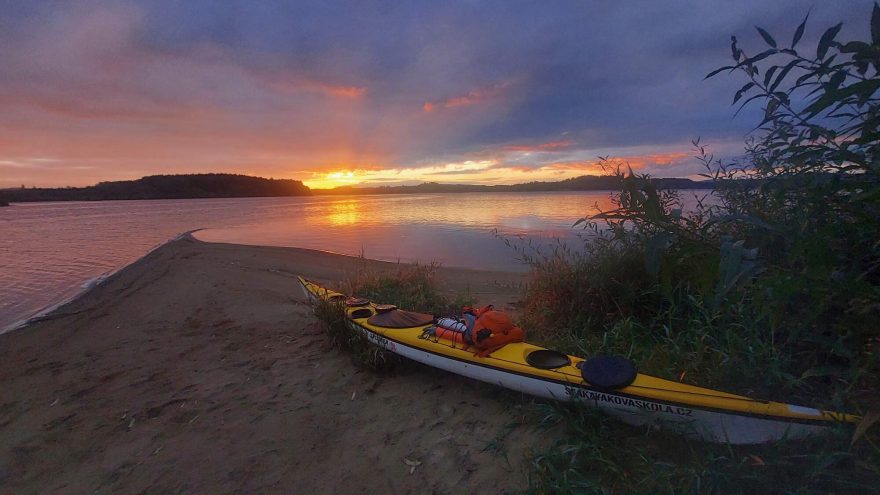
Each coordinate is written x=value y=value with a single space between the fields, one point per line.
x=376 y=93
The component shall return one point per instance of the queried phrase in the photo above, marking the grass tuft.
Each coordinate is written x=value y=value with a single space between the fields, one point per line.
x=411 y=287
x=333 y=319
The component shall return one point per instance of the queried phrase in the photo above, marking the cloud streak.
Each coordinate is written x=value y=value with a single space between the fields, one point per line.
x=474 y=97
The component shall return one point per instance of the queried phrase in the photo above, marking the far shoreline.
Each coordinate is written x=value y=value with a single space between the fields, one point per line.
x=218 y=185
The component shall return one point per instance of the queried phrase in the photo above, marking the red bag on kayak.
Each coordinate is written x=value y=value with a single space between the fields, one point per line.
x=493 y=330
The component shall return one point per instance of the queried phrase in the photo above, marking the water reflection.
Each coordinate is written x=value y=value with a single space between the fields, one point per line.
x=344 y=213
x=453 y=229
x=48 y=250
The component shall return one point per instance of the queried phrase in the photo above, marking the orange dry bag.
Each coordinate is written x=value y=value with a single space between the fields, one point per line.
x=493 y=330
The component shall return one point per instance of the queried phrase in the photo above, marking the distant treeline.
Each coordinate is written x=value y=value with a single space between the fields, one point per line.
x=583 y=183
x=241 y=186
x=165 y=187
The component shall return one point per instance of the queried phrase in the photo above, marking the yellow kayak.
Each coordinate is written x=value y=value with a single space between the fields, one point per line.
x=601 y=382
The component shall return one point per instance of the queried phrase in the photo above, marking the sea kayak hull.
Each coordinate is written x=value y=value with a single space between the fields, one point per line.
x=695 y=412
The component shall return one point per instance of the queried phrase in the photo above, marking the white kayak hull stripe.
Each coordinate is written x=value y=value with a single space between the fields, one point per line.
x=709 y=425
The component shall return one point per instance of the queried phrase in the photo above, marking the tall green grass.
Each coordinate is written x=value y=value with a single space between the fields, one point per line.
x=332 y=317
x=412 y=287
x=605 y=301
x=408 y=286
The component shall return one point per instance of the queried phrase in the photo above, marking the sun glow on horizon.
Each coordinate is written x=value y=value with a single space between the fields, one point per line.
x=332 y=179
x=469 y=171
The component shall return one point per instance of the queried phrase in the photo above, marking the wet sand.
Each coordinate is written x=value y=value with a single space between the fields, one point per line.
x=200 y=369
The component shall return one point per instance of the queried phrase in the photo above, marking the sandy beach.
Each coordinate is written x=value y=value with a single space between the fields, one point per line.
x=201 y=369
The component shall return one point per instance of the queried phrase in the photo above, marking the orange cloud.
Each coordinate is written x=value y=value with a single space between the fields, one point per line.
x=78 y=104
x=643 y=161
x=541 y=147
x=356 y=168
x=348 y=91
x=476 y=96
x=592 y=167
x=636 y=162
x=517 y=168
x=289 y=82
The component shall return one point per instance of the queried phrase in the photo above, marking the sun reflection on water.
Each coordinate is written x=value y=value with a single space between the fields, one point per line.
x=344 y=213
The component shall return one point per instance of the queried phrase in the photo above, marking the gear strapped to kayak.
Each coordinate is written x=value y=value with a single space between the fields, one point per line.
x=493 y=330
x=483 y=328
x=486 y=345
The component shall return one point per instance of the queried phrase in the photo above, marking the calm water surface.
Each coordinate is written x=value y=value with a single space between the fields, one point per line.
x=50 y=251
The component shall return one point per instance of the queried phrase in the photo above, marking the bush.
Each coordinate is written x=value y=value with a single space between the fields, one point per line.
x=779 y=284
x=409 y=286
x=771 y=290
x=814 y=215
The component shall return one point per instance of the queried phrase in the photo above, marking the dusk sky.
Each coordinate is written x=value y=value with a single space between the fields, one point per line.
x=336 y=93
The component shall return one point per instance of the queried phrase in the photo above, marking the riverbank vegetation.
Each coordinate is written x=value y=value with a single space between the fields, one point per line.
x=774 y=292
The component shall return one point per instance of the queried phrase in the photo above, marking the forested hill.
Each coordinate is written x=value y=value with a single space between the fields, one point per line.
x=165 y=187
x=583 y=183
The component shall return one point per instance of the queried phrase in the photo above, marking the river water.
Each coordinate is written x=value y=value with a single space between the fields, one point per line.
x=49 y=252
